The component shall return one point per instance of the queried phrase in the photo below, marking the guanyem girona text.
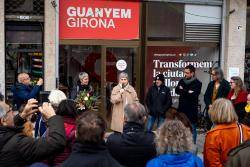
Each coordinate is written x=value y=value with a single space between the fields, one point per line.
x=95 y=17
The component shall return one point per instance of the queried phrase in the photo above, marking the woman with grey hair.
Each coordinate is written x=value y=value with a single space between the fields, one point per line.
x=121 y=95
x=217 y=88
x=55 y=97
x=82 y=85
x=174 y=143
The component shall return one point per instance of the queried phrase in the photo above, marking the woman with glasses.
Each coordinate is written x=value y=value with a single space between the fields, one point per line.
x=217 y=88
x=238 y=96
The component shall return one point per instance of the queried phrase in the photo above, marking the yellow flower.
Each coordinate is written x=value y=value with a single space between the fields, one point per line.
x=86 y=98
x=247 y=108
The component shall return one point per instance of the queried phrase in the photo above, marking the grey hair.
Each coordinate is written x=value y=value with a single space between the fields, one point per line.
x=2 y=112
x=83 y=75
x=218 y=72
x=123 y=75
x=55 y=97
x=135 y=112
x=173 y=137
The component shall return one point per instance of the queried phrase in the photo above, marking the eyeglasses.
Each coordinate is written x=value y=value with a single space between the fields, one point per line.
x=231 y=82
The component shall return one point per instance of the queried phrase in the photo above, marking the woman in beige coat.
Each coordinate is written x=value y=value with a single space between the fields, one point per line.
x=121 y=95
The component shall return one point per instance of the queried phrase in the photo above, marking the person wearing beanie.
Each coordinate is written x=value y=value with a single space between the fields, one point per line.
x=189 y=89
x=158 y=101
x=121 y=95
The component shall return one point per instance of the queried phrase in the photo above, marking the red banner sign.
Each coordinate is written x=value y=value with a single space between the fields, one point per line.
x=99 y=19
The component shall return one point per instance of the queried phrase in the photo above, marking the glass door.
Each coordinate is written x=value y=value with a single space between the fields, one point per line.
x=118 y=59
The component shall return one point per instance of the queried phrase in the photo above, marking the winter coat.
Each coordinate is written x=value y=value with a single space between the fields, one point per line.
x=70 y=128
x=17 y=149
x=90 y=155
x=186 y=159
x=22 y=93
x=158 y=100
x=79 y=88
x=188 y=102
x=239 y=103
x=119 y=101
x=134 y=147
x=223 y=91
x=239 y=156
x=220 y=140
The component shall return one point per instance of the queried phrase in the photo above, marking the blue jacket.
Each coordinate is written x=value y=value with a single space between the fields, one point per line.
x=185 y=159
x=22 y=93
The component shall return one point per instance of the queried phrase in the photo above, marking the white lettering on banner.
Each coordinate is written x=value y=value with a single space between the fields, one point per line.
x=95 y=17
x=181 y=64
x=93 y=22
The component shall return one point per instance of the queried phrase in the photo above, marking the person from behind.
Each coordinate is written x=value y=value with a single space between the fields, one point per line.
x=158 y=101
x=121 y=95
x=23 y=90
x=238 y=96
x=133 y=147
x=18 y=149
x=68 y=110
x=226 y=134
x=55 y=97
x=189 y=89
x=89 y=148
x=174 y=144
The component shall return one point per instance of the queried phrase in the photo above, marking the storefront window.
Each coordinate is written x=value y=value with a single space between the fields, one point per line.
x=165 y=21
x=78 y=58
x=24 y=53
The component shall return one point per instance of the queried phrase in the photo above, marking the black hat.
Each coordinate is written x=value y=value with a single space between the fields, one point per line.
x=160 y=77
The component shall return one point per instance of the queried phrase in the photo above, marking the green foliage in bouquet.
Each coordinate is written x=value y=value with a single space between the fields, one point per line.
x=86 y=100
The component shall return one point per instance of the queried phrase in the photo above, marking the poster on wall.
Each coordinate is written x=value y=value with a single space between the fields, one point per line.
x=102 y=19
x=171 y=61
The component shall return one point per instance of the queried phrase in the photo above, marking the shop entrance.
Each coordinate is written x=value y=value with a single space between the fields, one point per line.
x=100 y=62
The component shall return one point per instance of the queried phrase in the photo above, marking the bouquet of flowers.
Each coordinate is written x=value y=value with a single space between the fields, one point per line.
x=86 y=100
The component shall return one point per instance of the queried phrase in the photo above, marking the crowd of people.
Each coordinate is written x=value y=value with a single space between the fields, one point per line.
x=57 y=133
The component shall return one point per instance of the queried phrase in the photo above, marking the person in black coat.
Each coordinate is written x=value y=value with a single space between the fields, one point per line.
x=23 y=90
x=133 y=147
x=158 y=101
x=82 y=85
x=16 y=149
x=90 y=149
x=217 y=88
x=189 y=89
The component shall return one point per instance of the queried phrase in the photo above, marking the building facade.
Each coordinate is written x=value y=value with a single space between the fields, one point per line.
x=57 y=39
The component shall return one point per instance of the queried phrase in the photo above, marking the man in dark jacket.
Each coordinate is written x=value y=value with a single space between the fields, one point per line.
x=90 y=148
x=16 y=149
x=158 y=101
x=134 y=147
x=239 y=156
x=23 y=90
x=189 y=89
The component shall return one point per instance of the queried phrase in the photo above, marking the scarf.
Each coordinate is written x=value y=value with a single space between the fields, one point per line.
x=188 y=81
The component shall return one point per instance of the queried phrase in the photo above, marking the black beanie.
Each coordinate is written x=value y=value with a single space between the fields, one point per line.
x=160 y=77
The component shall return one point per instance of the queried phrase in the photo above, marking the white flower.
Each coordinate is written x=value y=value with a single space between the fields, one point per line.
x=86 y=98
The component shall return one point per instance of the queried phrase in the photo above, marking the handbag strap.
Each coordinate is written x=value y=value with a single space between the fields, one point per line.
x=241 y=133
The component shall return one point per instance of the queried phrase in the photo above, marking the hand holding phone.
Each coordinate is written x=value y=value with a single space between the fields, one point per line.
x=47 y=110
x=30 y=108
